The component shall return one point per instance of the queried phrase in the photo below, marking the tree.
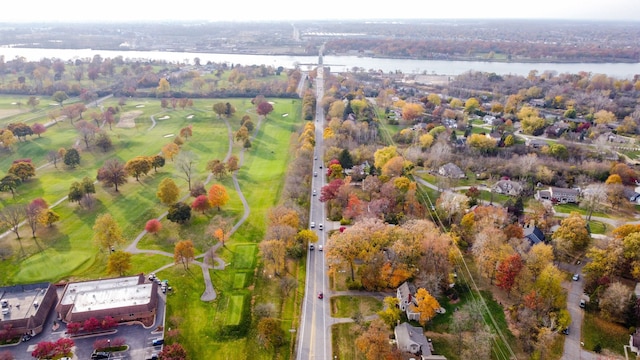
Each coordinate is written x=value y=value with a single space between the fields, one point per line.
x=119 y=263
x=426 y=305
x=186 y=132
x=173 y=351
x=508 y=270
x=23 y=169
x=185 y=165
x=54 y=350
x=59 y=97
x=106 y=232
x=201 y=203
x=153 y=226
x=170 y=150
x=139 y=165
x=184 y=253
x=374 y=341
x=168 y=192
x=481 y=143
x=9 y=183
x=163 y=87
x=615 y=301
x=33 y=211
x=471 y=105
x=218 y=196
x=593 y=199
x=112 y=173
x=264 y=108
x=412 y=111
x=572 y=235
x=233 y=163
x=157 y=161
x=217 y=168
x=220 y=109
x=103 y=141
x=7 y=139
x=38 y=129
x=391 y=313
x=179 y=213
x=11 y=216
x=381 y=156
x=270 y=333
x=48 y=217
x=273 y=254
x=71 y=158
x=87 y=131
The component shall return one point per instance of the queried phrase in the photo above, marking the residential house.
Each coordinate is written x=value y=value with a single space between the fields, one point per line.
x=632 y=195
x=634 y=342
x=559 y=195
x=489 y=119
x=411 y=339
x=533 y=234
x=507 y=187
x=536 y=143
x=451 y=170
x=406 y=297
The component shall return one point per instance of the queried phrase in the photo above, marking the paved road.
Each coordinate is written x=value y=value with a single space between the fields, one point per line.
x=314 y=338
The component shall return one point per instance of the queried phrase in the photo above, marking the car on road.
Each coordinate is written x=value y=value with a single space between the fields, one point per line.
x=315 y=174
x=157 y=342
x=576 y=277
x=313 y=224
x=320 y=295
x=583 y=303
x=566 y=331
x=314 y=192
x=311 y=247
x=319 y=247
x=320 y=227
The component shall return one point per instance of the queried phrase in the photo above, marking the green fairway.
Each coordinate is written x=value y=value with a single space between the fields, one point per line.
x=239 y=279
x=244 y=256
x=234 y=309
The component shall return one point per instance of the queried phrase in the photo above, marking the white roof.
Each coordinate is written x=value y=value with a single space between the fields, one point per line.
x=107 y=294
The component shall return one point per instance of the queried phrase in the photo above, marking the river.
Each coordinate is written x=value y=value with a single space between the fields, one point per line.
x=336 y=63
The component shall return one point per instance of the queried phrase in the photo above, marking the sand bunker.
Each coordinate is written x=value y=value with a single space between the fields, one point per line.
x=285 y=115
x=190 y=117
x=140 y=106
x=127 y=120
x=165 y=117
x=170 y=135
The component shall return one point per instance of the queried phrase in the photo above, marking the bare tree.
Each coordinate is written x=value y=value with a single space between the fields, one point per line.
x=12 y=216
x=185 y=164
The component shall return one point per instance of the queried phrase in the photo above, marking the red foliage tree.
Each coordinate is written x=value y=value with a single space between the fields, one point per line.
x=48 y=350
x=108 y=323
x=38 y=129
x=264 y=108
x=174 y=351
x=330 y=191
x=201 y=203
x=73 y=327
x=6 y=355
x=101 y=344
x=153 y=226
x=91 y=324
x=507 y=271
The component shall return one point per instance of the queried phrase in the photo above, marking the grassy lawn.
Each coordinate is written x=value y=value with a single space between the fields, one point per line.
x=568 y=208
x=343 y=341
x=611 y=336
x=348 y=306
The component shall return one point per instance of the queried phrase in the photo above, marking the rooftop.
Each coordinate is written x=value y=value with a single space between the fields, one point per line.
x=107 y=294
x=22 y=301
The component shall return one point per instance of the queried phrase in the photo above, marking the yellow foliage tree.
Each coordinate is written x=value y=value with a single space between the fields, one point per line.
x=426 y=306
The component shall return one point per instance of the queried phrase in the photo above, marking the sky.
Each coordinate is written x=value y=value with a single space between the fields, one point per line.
x=291 y=10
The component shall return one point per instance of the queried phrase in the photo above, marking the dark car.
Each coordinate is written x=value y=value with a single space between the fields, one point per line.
x=99 y=355
x=320 y=295
x=565 y=331
x=157 y=342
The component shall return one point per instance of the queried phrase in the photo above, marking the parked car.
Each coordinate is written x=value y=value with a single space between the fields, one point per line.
x=576 y=277
x=315 y=174
x=314 y=192
x=583 y=303
x=157 y=342
x=566 y=331
x=311 y=247
x=99 y=355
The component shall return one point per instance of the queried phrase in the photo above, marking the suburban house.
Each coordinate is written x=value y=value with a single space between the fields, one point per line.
x=406 y=297
x=507 y=187
x=411 y=339
x=634 y=342
x=489 y=119
x=632 y=195
x=451 y=170
x=559 y=195
x=536 y=143
x=25 y=307
x=125 y=299
x=533 y=234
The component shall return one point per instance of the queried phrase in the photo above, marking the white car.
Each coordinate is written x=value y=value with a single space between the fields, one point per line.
x=319 y=247
x=576 y=277
x=313 y=224
x=320 y=227
x=314 y=192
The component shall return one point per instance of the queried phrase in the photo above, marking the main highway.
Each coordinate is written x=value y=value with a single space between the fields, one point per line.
x=314 y=337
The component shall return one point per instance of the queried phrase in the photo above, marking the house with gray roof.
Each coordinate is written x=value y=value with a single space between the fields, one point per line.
x=559 y=195
x=406 y=297
x=533 y=234
x=451 y=170
x=411 y=339
x=507 y=187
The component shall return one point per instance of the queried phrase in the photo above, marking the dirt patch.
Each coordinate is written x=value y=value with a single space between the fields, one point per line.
x=127 y=120
x=5 y=113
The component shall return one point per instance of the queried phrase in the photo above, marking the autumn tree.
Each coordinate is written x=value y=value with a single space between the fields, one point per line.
x=186 y=132
x=270 y=333
x=54 y=349
x=381 y=156
x=184 y=253
x=153 y=226
x=273 y=253
x=163 y=88
x=615 y=302
x=217 y=168
x=87 y=131
x=23 y=169
x=593 y=199
x=170 y=150
x=374 y=341
x=391 y=313
x=33 y=211
x=103 y=141
x=10 y=183
x=139 y=165
x=426 y=306
x=112 y=173
x=264 y=108
x=201 y=203
x=48 y=217
x=38 y=129
x=168 y=192
x=218 y=196
x=220 y=108
x=107 y=232
x=572 y=235
x=7 y=138
x=173 y=351
x=11 y=216
x=119 y=263
x=59 y=97
x=157 y=161
x=412 y=112
x=508 y=270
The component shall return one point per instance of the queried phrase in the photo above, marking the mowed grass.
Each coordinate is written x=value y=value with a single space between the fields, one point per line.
x=347 y=306
x=234 y=309
x=343 y=341
x=610 y=336
x=244 y=256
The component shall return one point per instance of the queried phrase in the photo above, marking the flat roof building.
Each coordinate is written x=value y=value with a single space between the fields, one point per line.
x=125 y=299
x=25 y=307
